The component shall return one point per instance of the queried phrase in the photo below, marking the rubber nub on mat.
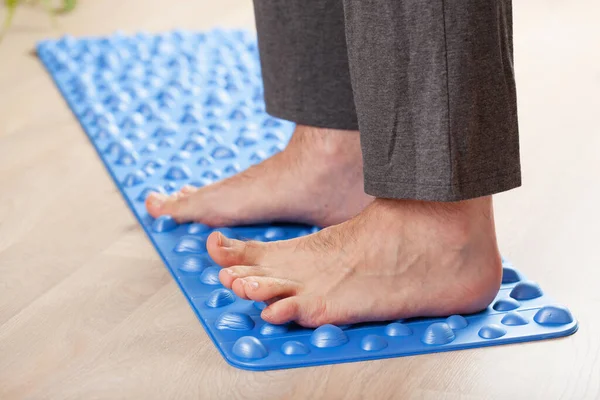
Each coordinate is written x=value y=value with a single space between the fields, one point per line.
x=438 y=333
x=328 y=336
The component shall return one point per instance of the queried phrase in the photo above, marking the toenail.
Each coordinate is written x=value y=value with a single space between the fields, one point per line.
x=252 y=284
x=266 y=314
x=231 y=272
x=187 y=188
x=156 y=200
x=224 y=241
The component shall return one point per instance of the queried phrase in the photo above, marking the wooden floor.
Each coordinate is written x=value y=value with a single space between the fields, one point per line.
x=88 y=311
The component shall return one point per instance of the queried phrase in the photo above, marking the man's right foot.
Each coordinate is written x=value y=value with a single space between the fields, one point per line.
x=317 y=179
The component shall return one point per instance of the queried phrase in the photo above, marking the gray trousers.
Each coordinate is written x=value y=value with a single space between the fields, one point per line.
x=429 y=84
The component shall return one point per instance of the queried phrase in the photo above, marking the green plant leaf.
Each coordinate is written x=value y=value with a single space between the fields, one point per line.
x=67 y=6
x=11 y=7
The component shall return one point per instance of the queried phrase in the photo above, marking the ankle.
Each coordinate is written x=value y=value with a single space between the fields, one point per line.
x=328 y=144
x=459 y=222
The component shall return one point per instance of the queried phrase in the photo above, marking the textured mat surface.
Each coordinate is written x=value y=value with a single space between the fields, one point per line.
x=166 y=110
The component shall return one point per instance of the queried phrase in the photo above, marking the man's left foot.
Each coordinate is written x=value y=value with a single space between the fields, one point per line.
x=396 y=259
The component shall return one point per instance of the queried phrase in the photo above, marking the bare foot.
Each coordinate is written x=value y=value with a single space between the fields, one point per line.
x=317 y=179
x=396 y=259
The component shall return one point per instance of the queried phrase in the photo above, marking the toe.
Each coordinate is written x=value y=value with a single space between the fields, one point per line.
x=239 y=289
x=188 y=189
x=310 y=312
x=180 y=205
x=154 y=203
x=282 y=311
x=228 y=275
x=228 y=252
x=263 y=288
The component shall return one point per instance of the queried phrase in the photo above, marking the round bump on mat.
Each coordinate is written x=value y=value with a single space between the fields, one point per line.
x=167 y=130
x=513 y=318
x=114 y=149
x=150 y=189
x=257 y=157
x=510 y=275
x=152 y=165
x=492 y=331
x=178 y=172
x=272 y=234
x=246 y=140
x=294 y=348
x=276 y=149
x=553 y=315
x=234 y=321
x=191 y=117
x=274 y=135
x=220 y=298
x=149 y=148
x=438 y=333
x=197 y=228
x=270 y=329
x=373 y=343
x=214 y=113
x=155 y=163
x=166 y=143
x=136 y=135
x=259 y=305
x=240 y=114
x=181 y=156
x=92 y=111
x=210 y=276
x=170 y=187
x=199 y=183
x=190 y=244
x=250 y=348
x=194 y=264
x=457 y=322
x=194 y=144
x=526 y=290
x=328 y=336
x=506 y=304
x=146 y=110
x=133 y=179
x=108 y=132
x=127 y=158
x=211 y=175
x=205 y=161
x=218 y=97
x=164 y=223
x=133 y=121
x=220 y=126
x=199 y=132
x=271 y=123
x=231 y=169
x=398 y=329
x=222 y=152
x=215 y=139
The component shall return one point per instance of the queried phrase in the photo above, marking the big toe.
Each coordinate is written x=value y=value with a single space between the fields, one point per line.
x=179 y=205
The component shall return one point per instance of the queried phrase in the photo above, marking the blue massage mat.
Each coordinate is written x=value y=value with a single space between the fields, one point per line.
x=187 y=108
